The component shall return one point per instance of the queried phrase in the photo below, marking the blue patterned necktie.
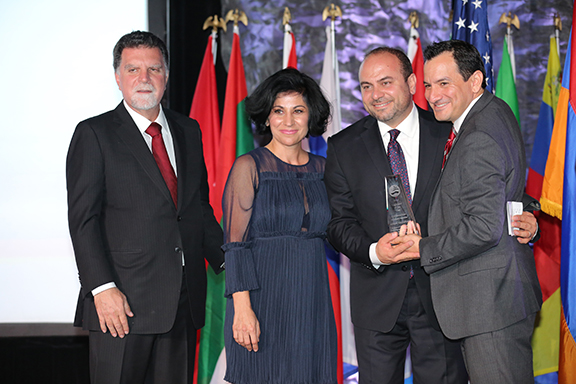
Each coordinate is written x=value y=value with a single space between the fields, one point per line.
x=397 y=162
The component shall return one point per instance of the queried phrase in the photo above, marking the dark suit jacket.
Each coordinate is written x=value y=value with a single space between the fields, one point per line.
x=125 y=227
x=355 y=170
x=482 y=279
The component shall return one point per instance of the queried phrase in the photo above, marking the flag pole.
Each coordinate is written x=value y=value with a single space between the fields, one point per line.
x=414 y=20
x=289 y=58
x=215 y=22
x=286 y=19
x=330 y=84
x=557 y=30
x=236 y=16
x=416 y=57
x=333 y=11
x=510 y=20
x=205 y=109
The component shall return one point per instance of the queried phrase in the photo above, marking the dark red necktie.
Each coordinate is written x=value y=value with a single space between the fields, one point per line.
x=448 y=146
x=162 y=159
x=397 y=162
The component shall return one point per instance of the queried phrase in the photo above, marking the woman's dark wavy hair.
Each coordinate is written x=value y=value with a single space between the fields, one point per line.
x=260 y=103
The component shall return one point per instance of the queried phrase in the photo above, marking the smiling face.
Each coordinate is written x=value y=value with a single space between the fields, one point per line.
x=385 y=94
x=288 y=119
x=142 y=77
x=446 y=90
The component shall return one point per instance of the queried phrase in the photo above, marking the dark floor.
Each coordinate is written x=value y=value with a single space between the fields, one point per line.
x=43 y=354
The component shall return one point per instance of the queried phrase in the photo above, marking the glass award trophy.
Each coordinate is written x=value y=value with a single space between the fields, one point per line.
x=399 y=210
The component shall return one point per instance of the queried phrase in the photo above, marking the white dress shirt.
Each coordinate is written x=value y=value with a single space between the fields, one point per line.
x=143 y=123
x=409 y=140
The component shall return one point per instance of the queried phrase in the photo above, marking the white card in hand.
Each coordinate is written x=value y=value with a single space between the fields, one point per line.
x=513 y=208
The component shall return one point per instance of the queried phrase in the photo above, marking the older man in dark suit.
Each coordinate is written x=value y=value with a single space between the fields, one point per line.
x=483 y=282
x=141 y=226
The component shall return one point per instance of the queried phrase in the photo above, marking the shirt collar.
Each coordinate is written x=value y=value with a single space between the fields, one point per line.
x=460 y=120
x=143 y=123
x=408 y=126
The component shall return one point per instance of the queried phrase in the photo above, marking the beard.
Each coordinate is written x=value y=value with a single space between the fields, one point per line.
x=144 y=101
x=395 y=114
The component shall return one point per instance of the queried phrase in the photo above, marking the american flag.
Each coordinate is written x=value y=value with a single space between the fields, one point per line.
x=470 y=24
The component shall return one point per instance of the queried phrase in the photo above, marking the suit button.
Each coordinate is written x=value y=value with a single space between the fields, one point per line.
x=179 y=218
x=404 y=268
x=177 y=249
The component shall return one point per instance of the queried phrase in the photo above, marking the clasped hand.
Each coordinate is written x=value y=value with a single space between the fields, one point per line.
x=404 y=245
x=397 y=247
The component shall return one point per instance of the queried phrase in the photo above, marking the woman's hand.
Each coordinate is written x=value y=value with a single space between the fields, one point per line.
x=246 y=328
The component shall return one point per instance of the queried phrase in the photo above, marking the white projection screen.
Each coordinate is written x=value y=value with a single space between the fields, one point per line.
x=56 y=71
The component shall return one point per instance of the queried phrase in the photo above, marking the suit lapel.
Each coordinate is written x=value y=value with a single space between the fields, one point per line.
x=480 y=105
x=128 y=132
x=375 y=147
x=428 y=160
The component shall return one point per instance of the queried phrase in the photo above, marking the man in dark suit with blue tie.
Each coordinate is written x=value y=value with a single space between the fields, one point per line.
x=141 y=226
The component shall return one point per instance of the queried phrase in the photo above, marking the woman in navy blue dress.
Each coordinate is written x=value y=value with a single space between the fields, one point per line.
x=279 y=325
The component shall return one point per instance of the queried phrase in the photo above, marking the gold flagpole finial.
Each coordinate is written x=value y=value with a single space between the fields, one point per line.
x=236 y=16
x=557 y=22
x=287 y=18
x=332 y=11
x=509 y=20
x=414 y=19
x=215 y=22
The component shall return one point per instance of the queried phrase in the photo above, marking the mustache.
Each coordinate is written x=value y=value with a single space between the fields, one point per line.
x=145 y=87
x=380 y=101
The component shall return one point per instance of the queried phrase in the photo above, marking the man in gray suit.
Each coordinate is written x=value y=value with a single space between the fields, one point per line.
x=141 y=226
x=483 y=282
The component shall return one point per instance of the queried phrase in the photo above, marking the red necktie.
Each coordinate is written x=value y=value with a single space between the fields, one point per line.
x=397 y=162
x=448 y=146
x=161 y=157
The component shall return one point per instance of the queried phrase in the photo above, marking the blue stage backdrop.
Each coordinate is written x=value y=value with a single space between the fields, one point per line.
x=366 y=24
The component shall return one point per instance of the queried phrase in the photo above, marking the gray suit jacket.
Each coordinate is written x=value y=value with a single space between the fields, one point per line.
x=125 y=227
x=481 y=278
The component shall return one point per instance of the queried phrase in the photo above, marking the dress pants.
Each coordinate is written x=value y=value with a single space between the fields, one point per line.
x=146 y=358
x=501 y=357
x=435 y=359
